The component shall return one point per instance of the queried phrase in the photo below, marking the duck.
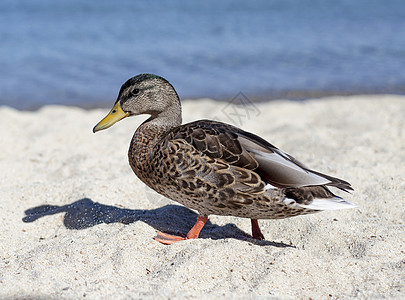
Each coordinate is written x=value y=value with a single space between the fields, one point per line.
x=212 y=167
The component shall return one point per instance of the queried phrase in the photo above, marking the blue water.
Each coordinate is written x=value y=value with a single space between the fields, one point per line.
x=80 y=52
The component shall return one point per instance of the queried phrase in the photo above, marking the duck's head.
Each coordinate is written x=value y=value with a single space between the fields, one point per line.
x=145 y=94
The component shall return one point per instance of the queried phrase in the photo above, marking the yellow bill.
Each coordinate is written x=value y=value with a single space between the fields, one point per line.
x=113 y=117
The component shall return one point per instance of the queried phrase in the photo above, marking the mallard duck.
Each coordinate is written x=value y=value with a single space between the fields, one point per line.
x=213 y=167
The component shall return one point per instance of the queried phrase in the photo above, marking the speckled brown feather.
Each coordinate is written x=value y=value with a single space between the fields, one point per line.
x=203 y=166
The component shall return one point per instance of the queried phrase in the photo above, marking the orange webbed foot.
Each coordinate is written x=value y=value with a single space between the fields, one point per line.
x=169 y=239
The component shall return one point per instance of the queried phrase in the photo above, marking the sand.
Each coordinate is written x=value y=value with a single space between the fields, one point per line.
x=77 y=223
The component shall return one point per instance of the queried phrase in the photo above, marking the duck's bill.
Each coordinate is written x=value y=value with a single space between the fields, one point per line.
x=113 y=117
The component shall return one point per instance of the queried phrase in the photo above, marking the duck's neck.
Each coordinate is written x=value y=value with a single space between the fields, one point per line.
x=151 y=132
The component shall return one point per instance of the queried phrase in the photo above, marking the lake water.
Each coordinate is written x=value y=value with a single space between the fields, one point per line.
x=80 y=52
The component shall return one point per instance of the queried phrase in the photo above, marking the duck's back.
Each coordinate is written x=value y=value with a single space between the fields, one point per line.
x=212 y=167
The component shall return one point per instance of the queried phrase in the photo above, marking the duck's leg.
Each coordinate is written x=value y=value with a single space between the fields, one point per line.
x=256 y=233
x=169 y=239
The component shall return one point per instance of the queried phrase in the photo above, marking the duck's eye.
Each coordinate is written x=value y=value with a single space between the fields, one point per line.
x=135 y=92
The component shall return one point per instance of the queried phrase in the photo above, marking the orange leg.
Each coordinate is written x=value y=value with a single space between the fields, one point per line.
x=169 y=239
x=256 y=233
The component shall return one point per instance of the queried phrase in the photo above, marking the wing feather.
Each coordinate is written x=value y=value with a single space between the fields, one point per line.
x=248 y=151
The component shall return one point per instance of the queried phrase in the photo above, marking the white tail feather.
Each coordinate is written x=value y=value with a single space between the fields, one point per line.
x=269 y=187
x=329 y=204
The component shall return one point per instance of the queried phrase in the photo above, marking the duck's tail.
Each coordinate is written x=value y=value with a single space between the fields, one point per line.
x=316 y=198
x=334 y=203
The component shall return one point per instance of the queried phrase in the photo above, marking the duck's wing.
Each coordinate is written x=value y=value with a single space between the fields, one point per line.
x=283 y=170
x=248 y=151
x=200 y=160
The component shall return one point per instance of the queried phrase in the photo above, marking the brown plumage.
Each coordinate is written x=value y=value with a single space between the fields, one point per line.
x=213 y=167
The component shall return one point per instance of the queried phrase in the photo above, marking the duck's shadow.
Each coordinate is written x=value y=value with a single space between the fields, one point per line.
x=85 y=213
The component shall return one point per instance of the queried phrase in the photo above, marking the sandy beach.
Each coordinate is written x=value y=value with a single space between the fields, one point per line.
x=77 y=223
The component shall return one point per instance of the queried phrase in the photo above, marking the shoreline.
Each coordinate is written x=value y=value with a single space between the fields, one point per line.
x=258 y=98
